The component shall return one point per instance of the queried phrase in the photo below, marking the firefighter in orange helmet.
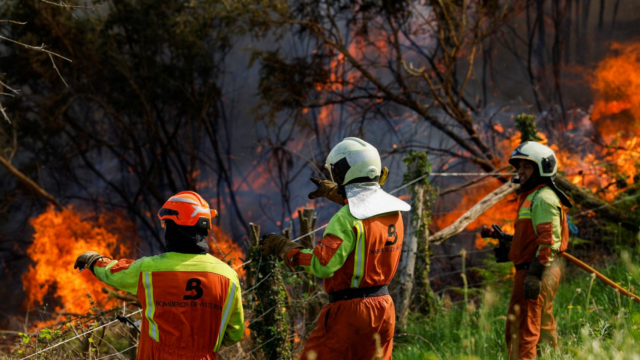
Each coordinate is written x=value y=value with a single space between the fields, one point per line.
x=541 y=232
x=191 y=301
x=357 y=257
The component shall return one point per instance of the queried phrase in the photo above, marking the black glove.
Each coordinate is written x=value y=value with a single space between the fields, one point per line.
x=502 y=251
x=87 y=260
x=495 y=233
x=504 y=241
x=272 y=244
x=532 y=282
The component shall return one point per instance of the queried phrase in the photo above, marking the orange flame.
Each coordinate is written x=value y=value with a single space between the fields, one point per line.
x=61 y=236
x=615 y=115
x=503 y=213
x=225 y=249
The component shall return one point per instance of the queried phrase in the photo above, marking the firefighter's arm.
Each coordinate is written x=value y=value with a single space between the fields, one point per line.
x=546 y=217
x=331 y=252
x=235 y=327
x=122 y=274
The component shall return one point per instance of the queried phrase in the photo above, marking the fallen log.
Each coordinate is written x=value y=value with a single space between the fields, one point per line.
x=575 y=193
x=589 y=201
x=473 y=213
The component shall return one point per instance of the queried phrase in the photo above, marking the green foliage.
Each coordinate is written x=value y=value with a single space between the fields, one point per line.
x=270 y=326
x=526 y=123
x=593 y=321
x=107 y=340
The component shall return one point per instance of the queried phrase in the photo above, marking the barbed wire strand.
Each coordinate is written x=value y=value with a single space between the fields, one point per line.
x=78 y=336
x=118 y=353
x=395 y=191
x=312 y=232
x=256 y=348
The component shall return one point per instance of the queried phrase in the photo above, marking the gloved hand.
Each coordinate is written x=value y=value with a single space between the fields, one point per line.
x=329 y=189
x=531 y=287
x=272 y=244
x=501 y=251
x=495 y=233
x=326 y=189
x=504 y=241
x=86 y=260
x=532 y=282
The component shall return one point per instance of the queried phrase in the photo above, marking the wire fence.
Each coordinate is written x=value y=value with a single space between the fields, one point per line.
x=310 y=233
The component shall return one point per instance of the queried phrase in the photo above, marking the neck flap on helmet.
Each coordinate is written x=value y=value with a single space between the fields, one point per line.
x=367 y=199
x=185 y=239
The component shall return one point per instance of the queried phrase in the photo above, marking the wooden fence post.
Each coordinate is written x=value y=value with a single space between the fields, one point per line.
x=312 y=307
x=415 y=244
x=268 y=297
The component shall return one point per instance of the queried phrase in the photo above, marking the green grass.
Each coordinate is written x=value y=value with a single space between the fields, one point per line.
x=592 y=320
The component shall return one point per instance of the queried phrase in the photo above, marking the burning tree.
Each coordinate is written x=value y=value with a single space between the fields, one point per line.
x=433 y=63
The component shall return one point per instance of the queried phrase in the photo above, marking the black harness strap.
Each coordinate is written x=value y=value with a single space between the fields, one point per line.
x=355 y=293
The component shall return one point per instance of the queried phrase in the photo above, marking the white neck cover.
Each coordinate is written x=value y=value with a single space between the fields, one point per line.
x=368 y=199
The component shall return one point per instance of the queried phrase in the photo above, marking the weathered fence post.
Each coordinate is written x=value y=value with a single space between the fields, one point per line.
x=309 y=282
x=415 y=244
x=270 y=324
x=307 y=225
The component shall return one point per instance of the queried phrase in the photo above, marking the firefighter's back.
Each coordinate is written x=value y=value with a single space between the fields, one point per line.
x=188 y=301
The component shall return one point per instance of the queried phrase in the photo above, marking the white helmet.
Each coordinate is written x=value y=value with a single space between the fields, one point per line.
x=353 y=160
x=539 y=154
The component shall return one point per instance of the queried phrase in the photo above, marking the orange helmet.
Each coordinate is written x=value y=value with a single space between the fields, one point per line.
x=187 y=208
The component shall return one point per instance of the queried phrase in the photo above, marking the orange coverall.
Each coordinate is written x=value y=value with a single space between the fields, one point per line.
x=191 y=303
x=354 y=254
x=541 y=231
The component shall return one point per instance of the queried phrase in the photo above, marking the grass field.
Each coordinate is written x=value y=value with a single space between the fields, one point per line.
x=593 y=321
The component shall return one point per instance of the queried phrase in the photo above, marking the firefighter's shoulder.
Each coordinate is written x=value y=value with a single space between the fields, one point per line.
x=173 y=261
x=547 y=195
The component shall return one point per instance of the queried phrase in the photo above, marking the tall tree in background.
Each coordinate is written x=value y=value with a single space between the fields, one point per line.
x=143 y=115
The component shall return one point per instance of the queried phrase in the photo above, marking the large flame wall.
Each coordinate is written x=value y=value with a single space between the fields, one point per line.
x=60 y=236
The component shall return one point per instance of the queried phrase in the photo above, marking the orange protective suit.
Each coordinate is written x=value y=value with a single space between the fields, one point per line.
x=192 y=304
x=532 y=322
x=541 y=231
x=354 y=254
x=346 y=329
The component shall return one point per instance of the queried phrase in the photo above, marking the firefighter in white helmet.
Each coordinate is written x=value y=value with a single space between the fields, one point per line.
x=541 y=232
x=357 y=256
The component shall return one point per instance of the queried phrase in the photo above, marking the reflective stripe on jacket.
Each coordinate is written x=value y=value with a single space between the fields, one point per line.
x=354 y=253
x=191 y=303
x=541 y=228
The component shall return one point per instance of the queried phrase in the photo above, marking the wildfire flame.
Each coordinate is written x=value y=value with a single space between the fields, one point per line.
x=615 y=160
x=615 y=115
x=60 y=236
x=222 y=247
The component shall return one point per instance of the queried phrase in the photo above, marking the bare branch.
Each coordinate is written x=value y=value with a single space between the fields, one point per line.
x=14 y=22
x=58 y=71
x=9 y=88
x=30 y=183
x=67 y=6
x=37 y=48
x=4 y=114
